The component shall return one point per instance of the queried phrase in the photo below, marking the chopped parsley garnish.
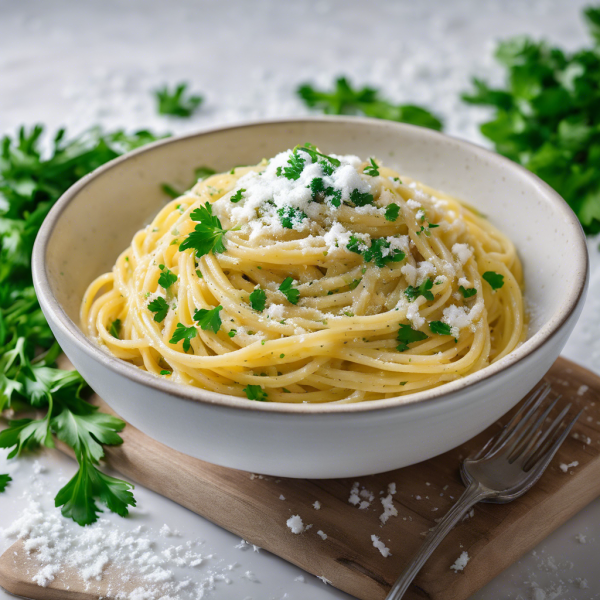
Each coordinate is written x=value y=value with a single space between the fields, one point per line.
x=237 y=196
x=392 y=211
x=320 y=192
x=311 y=150
x=372 y=169
x=5 y=479
x=255 y=392
x=258 y=299
x=207 y=235
x=165 y=372
x=183 y=333
x=292 y=294
x=467 y=292
x=345 y=100
x=440 y=328
x=160 y=307
x=177 y=103
x=231 y=333
x=290 y=216
x=199 y=273
x=407 y=335
x=115 y=328
x=361 y=198
x=170 y=191
x=354 y=284
x=317 y=187
x=328 y=168
x=494 y=279
x=423 y=290
x=167 y=278
x=209 y=319
x=295 y=166
x=378 y=252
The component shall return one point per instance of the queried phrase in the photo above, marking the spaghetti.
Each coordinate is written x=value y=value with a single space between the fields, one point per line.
x=311 y=278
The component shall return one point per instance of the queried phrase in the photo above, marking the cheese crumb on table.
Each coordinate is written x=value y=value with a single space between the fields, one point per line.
x=316 y=505
x=461 y=562
x=385 y=552
x=322 y=534
x=565 y=467
x=295 y=524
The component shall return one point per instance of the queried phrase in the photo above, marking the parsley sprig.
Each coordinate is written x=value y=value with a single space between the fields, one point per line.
x=30 y=183
x=160 y=307
x=177 y=102
x=412 y=293
x=291 y=293
x=346 y=100
x=379 y=251
x=207 y=235
x=5 y=479
x=547 y=116
x=407 y=335
x=255 y=392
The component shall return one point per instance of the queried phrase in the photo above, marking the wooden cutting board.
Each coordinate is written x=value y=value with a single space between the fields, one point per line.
x=250 y=506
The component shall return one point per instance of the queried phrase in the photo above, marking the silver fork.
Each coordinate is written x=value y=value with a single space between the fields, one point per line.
x=504 y=469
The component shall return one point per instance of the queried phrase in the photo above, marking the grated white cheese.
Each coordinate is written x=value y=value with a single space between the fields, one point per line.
x=582 y=390
x=461 y=562
x=565 y=467
x=322 y=535
x=316 y=505
x=389 y=510
x=295 y=524
x=385 y=552
x=463 y=252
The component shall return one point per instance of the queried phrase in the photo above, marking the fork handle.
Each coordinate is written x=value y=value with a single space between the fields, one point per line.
x=471 y=496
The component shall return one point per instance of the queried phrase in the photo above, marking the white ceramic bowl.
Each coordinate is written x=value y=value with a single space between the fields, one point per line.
x=97 y=217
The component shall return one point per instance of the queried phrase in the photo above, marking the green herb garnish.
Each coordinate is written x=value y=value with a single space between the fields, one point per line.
x=237 y=196
x=231 y=333
x=209 y=319
x=165 y=372
x=183 y=333
x=255 y=392
x=423 y=290
x=372 y=169
x=160 y=307
x=494 y=279
x=207 y=235
x=167 y=278
x=361 y=198
x=440 y=328
x=115 y=328
x=407 y=335
x=5 y=479
x=392 y=211
x=177 y=102
x=290 y=216
x=258 y=299
x=467 y=292
x=292 y=294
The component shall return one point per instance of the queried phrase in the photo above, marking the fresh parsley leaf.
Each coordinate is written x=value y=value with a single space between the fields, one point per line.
x=311 y=150
x=327 y=167
x=380 y=253
x=354 y=284
x=407 y=335
x=115 y=328
x=372 y=169
x=423 y=290
x=169 y=190
x=177 y=102
x=160 y=307
x=4 y=481
x=183 y=333
x=317 y=187
x=392 y=211
x=167 y=278
x=345 y=100
x=295 y=166
x=207 y=235
x=26 y=434
x=467 y=292
x=255 y=392
x=209 y=319
x=231 y=333
x=290 y=216
x=165 y=372
x=361 y=198
x=237 y=196
x=258 y=299
x=440 y=328
x=292 y=294
x=494 y=279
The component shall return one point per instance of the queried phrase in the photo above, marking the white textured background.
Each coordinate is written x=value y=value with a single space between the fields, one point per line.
x=80 y=63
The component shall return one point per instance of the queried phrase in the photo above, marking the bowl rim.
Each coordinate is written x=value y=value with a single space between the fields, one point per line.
x=548 y=330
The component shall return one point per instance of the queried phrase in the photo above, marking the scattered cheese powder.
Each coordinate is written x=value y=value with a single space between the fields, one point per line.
x=316 y=505
x=564 y=467
x=322 y=535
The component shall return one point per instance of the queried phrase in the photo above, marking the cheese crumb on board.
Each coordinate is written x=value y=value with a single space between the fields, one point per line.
x=295 y=524
x=565 y=467
x=385 y=552
x=582 y=390
x=461 y=562
x=322 y=535
x=316 y=505
x=389 y=510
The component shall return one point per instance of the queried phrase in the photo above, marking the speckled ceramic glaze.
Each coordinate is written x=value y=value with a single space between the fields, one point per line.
x=95 y=219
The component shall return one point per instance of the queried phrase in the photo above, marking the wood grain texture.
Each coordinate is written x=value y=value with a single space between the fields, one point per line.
x=495 y=537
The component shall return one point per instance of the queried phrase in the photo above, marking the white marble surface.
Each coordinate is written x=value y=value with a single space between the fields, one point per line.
x=78 y=63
